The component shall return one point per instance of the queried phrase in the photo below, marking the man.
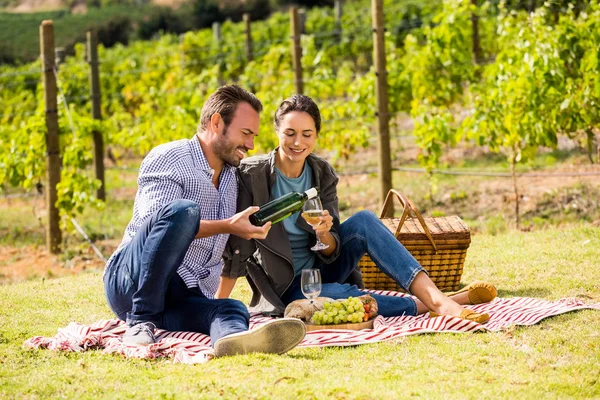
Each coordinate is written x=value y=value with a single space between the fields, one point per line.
x=166 y=272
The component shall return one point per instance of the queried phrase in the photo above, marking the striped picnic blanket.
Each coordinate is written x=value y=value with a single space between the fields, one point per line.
x=192 y=348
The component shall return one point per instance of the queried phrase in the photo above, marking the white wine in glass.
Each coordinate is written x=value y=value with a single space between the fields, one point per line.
x=310 y=283
x=311 y=211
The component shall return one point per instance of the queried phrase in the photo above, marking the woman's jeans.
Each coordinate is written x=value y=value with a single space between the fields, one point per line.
x=365 y=233
x=141 y=282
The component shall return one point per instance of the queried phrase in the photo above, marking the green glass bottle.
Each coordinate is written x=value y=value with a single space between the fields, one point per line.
x=281 y=208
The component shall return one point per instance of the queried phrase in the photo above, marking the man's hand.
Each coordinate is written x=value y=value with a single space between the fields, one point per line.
x=240 y=225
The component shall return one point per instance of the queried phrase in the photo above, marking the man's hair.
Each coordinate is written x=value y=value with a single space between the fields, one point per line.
x=299 y=102
x=224 y=101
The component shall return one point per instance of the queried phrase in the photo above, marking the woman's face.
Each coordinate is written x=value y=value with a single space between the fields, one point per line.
x=297 y=136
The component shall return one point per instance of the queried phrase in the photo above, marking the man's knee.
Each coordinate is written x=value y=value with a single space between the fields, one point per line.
x=234 y=307
x=187 y=208
x=184 y=212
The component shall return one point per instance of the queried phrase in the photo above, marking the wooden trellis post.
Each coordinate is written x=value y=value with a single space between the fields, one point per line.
x=381 y=91
x=296 y=49
x=53 y=233
x=92 y=58
x=248 y=29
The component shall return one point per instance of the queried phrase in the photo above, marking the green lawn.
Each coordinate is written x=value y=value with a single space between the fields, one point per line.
x=558 y=358
x=20 y=36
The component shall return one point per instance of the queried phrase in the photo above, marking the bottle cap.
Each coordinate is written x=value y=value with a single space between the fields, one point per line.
x=312 y=193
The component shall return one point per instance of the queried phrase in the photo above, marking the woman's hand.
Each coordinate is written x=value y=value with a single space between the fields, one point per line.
x=325 y=225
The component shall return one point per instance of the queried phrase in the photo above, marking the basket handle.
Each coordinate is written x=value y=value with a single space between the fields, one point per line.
x=408 y=208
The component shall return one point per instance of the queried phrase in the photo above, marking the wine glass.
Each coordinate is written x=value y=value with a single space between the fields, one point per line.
x=310 y=283
x=312 y=210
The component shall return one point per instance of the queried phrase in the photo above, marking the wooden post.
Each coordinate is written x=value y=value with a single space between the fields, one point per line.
x=217 y=35
x=182 y=52
x=53 y=233
x=296 y=49
x=92 y=57
x=249 y=55
x=302 y=20
x=381 y=92
x=475 y=34
x=59 y=56
x=217 y=31
x=338 y=18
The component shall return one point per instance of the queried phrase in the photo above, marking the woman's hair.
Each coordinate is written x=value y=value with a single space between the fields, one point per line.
x=299 y=102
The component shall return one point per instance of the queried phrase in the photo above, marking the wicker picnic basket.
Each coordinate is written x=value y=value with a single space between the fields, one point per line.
x=439 y=244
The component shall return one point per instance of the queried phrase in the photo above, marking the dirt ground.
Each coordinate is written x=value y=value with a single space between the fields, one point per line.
x=21 y=262
x=29 y=262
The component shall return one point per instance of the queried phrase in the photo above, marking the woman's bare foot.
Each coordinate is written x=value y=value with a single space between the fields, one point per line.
x=432 y=299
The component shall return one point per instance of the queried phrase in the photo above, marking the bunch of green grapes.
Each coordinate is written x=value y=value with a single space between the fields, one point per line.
x=350 y=310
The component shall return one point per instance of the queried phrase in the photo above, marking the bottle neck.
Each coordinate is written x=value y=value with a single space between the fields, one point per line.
x=311 y=193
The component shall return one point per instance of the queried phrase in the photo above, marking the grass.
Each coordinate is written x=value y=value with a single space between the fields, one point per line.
x=23 y=219
x=557 y=358
x=20 y=36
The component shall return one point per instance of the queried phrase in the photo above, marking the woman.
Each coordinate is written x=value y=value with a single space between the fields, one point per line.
x=274 y=264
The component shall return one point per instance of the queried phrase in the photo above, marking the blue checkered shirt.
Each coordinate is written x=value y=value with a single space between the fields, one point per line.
x=179 y=170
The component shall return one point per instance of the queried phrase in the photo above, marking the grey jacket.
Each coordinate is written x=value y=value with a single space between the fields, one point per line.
x=268 y=263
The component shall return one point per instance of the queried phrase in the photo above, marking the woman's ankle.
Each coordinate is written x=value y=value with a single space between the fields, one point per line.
x=461 y=298
x=447 y=307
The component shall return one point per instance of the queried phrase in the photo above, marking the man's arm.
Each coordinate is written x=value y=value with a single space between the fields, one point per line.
x=238 y=225
x=160 y=183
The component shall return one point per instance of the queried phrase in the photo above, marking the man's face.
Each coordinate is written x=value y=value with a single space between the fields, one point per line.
x=233 y=143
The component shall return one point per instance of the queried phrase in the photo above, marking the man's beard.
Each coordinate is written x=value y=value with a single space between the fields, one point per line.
x=226 y=150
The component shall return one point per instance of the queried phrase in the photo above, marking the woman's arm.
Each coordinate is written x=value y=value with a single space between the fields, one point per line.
x=225 y=287
x=238 y=250
x=328 y=231
x=323 y=232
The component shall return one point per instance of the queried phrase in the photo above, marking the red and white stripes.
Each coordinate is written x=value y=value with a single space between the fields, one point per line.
x=193 y=348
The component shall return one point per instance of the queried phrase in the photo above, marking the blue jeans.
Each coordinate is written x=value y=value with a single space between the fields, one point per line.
x=141 y=282
x=364 y=233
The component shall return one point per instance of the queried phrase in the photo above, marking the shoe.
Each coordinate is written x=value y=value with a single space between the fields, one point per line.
x=468 y=315
x=274 y=337
x=479 y=292
x=140 y=334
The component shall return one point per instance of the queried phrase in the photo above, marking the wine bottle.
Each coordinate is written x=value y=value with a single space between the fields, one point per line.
x=282 y=207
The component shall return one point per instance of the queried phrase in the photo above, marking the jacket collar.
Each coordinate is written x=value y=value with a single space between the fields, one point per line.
x=310 y=160
x=272 y=173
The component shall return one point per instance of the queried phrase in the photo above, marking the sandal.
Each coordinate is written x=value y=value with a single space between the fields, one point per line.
x=479 y=292
x=466 y=314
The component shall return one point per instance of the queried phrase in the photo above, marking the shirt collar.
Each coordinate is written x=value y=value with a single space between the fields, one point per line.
x=201 y=162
